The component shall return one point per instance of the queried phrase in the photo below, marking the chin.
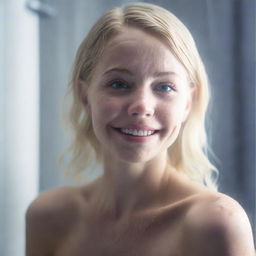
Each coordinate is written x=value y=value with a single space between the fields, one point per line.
x=136 y=157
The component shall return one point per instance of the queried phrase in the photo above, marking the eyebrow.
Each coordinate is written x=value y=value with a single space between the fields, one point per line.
x=126 y=71
x=167 y=73
x=120 y=70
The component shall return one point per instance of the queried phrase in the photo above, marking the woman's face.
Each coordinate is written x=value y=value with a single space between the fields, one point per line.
x=138 y=98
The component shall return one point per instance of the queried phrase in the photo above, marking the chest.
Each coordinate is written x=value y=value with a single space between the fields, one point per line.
x=142 y=236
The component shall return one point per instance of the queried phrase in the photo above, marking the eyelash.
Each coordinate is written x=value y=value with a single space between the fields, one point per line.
x=170 y=86
x=110 y=84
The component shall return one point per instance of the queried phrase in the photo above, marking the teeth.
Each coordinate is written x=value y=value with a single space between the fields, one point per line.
x=136 y=132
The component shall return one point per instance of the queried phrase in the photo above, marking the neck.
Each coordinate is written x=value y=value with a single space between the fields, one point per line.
x=131 y=187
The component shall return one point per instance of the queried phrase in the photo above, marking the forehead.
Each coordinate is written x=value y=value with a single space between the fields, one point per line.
x=134 y=48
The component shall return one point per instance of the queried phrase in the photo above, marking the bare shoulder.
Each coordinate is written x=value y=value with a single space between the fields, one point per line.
x=217 y=225
x=49 y=218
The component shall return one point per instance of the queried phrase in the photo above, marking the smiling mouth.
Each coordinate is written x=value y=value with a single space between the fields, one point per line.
x=135 y=132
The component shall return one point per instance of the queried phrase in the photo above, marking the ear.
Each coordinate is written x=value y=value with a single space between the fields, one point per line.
x=191 y=98
x=83 y=92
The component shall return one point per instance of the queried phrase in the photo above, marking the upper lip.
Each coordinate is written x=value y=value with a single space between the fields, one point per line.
x=137 y=127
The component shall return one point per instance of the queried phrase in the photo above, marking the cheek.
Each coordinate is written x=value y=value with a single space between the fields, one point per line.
x=105 y=109
x=181 y=109
x=173 y=112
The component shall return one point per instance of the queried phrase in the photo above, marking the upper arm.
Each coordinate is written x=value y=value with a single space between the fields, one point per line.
x=222 y=228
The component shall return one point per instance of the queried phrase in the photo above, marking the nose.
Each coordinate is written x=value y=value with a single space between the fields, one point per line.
x=141 y=105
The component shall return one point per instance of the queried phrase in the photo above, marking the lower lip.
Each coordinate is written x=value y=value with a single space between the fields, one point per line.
x=132 y=138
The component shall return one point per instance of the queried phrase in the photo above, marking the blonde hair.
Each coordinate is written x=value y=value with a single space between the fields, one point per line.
x=188 y=154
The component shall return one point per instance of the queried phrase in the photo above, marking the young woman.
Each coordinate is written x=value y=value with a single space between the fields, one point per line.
x=140 y=95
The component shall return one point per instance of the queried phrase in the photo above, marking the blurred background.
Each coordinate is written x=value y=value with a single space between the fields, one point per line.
x=38 y=41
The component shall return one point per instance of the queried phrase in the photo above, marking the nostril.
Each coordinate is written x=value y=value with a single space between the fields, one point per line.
x=140 y=111
x=146 y=114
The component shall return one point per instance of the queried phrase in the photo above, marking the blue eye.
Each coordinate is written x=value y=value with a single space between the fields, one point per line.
x=118 y=85
x=165 y=88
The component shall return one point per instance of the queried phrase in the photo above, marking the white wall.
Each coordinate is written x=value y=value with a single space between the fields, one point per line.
x=1 y=126
x=19 y=108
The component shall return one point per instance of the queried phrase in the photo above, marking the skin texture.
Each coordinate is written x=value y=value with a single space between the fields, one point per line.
x=140 y=206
